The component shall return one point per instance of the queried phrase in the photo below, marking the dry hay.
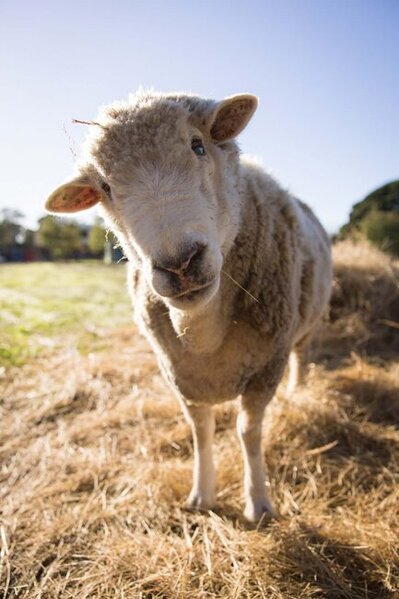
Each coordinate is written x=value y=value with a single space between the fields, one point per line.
x=96 y=463
x=364 y=313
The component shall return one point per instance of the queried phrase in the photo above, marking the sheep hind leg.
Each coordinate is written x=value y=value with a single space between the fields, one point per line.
x=202 y=421
x=297 y=365
x=249 y=429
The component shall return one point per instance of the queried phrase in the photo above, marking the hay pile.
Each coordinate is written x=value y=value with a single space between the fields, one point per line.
x=364 y=312
x=96 y=463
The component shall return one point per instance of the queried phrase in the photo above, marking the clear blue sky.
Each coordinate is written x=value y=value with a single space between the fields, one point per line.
x=326 y=72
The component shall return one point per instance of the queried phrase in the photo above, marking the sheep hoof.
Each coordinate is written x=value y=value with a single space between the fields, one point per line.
x=255 y=510
x=198 y=501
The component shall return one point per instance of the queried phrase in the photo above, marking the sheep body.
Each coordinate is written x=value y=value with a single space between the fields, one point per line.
x=281 y=258
x=228 y=273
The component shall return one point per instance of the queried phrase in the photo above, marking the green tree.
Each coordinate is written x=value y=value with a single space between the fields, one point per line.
x=382 y=229
x=97 y=237
x=62 y=238
x=376 y=218
x=384 y=199
x=11 y=230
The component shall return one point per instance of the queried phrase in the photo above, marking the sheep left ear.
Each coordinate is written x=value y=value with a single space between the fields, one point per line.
x=231 y=116
x=75 y=195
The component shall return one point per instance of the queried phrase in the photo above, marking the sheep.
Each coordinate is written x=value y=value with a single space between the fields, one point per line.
x=228 y=273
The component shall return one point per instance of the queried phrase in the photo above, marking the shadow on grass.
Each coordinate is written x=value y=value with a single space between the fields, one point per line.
x=337 y=570
x=378 y=400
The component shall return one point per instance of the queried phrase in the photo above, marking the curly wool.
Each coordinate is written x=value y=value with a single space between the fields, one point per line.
x=280 y=264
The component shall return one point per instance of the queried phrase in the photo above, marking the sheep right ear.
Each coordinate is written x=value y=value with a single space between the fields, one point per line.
x=75 y=195
x=231 y=116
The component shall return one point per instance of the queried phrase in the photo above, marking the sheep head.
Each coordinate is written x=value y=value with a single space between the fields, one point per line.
x=165 y=171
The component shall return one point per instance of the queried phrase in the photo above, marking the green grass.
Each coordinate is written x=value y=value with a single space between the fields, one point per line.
x=46 y=305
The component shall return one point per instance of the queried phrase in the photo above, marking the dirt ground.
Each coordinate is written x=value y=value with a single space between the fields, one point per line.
x=95 y=456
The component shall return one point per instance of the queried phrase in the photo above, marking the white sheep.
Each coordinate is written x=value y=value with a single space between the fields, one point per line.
x=228 y=273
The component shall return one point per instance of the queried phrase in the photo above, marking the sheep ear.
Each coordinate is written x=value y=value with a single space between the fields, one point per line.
x=231 y=116
x=73 y=196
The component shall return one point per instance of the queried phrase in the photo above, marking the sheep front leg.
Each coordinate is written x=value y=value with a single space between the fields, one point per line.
x=249 y=428
x=202 y=421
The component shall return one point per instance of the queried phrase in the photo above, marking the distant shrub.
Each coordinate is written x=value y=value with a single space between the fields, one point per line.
x=62 y=239
x=382 y=229
x=376 y=218
x=97 y=236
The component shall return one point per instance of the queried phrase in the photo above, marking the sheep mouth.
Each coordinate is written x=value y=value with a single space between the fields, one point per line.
x=193 y=297
x=194 y=293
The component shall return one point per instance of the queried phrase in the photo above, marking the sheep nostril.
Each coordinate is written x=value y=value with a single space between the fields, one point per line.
x=195 y=256
x=186 y=259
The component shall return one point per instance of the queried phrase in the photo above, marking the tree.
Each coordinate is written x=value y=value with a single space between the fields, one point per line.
x=97 y=237
x=63 y=239
x=11 y=230
x=382 y=229
x=376 y=218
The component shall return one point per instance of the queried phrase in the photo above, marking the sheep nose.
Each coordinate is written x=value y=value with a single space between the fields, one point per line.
x=187 y=257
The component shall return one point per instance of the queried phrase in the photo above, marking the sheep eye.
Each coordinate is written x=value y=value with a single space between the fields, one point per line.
x=198 y=147
x=105 y=187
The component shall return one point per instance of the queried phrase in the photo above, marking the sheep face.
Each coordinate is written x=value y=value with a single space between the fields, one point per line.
x=162 y=174
x=165 y=170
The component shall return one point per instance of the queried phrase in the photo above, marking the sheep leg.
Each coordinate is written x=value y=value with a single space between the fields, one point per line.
x=297 y=365
x=202 y=421
x=295 y=371
x=249 y=428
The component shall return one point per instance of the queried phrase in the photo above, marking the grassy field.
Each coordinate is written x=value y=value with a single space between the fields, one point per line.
x=49 y=305
x=95 y=456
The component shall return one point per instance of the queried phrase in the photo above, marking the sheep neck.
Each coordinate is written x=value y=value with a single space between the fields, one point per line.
x=202 y=331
